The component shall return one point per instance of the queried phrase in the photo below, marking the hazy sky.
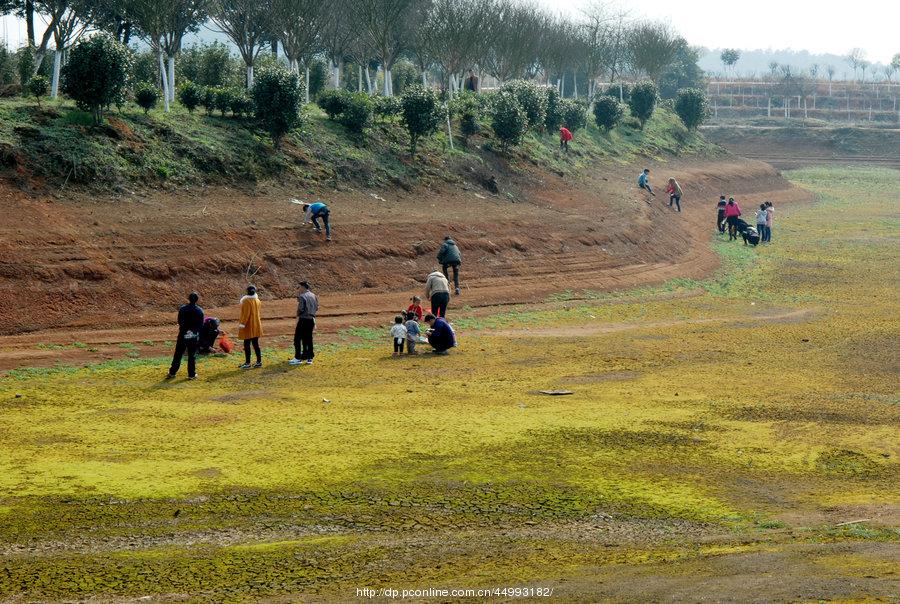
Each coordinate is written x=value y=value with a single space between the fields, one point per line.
x=825 y=26
x=816 y=26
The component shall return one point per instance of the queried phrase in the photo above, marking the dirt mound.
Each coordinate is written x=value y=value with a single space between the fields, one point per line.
x=88 y=264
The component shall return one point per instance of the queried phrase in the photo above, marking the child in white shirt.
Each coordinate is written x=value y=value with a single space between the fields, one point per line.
x=398 y=333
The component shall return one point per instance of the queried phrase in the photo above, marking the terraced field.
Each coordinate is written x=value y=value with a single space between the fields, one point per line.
x=735 y=438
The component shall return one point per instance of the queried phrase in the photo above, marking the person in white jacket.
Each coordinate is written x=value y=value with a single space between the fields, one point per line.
x=437 y=289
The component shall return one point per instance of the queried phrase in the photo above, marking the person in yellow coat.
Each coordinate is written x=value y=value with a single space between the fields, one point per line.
x=250 y=328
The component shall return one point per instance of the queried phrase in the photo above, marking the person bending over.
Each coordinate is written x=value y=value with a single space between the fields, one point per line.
x=316 y=211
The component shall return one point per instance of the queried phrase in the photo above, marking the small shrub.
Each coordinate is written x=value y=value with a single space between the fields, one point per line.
x=318 y=75
x=277 y=96
x=387 y=107
x=241 y=103
x=574 y=114
x=357 y=114
x=532 y=99
x=97 y=73
x=692 y=107
x=554 y=117
x=208 y=99
x=422 y=113
x=468 y=110
x=25 y=65
x=211 y=65
x=508 y=120
x=643 y=101
x=146 y=97
x=190 y=95
x=403 y=75
x=333 y=102
x=223 y=99
x=38 y=87
x=608 y=112
x=613 y=91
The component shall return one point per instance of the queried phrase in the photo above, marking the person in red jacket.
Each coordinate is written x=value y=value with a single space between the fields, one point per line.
x=732 y=213
x=564 y=137
x=416 y=308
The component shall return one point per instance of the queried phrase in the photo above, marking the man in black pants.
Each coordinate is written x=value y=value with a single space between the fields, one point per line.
x=307 y=307
x=450 y=256
x=190 y=322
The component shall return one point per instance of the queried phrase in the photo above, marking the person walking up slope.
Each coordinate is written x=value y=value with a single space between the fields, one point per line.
x=250 y=327
x=307 y=308
x=674 y=191
x=190 y=322
x=450 y=256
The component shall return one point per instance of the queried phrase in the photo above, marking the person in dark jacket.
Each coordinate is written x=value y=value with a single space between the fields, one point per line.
x=450 y=256
x=190 y=323
x=307 y=307
x=440 y=334
x=720 y=214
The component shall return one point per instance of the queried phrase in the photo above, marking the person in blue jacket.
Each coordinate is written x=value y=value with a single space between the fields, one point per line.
x=314 y=212
x=190 y=323
x=440 y=334
x=644 y=182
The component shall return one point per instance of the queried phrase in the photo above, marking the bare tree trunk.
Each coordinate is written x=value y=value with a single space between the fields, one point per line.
x=359 y=88
x=574 y=84
x=57 y=63
x=305 y=94
x=172 y=78
x=29 y=21
x=249 y=77
x=369 y=81
x=165 y=80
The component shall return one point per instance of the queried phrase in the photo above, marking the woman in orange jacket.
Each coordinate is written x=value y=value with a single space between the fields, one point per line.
x=250 y=328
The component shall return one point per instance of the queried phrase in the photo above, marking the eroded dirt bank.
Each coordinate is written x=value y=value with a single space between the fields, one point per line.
x=103 y=272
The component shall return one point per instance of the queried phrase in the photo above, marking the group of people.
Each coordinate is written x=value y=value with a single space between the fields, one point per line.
x=197 y=333
x=728 y=213
x=728 y=218
x=673 y=189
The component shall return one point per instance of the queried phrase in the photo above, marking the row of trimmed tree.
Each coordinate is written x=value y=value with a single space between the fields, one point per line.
x=506 y=39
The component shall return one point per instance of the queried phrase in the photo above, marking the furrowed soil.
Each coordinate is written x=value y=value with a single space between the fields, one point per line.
x=731 y=437
x=95 y=275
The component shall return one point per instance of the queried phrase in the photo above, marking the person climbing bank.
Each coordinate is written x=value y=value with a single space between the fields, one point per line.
x=450 y=256
x=644 y=182
x=316 y=211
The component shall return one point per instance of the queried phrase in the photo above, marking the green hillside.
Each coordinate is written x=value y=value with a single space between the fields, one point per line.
x=56 y=148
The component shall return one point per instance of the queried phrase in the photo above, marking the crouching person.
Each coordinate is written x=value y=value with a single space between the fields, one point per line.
x=440 y=334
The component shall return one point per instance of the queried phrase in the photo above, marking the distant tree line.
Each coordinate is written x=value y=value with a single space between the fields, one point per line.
x=433 y=41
